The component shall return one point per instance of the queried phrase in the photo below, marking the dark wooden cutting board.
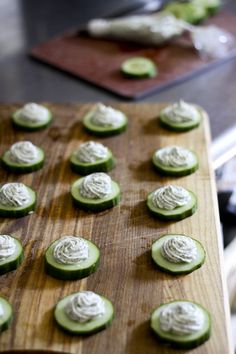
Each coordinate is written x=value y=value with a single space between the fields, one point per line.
x=98 y=61
x=124 y=234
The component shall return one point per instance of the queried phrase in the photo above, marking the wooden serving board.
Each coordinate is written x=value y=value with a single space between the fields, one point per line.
x=98 y=61
x=125 y=234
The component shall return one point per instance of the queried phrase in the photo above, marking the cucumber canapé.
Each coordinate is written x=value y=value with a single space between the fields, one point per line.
x=92 y=157
x=172 y=202
x=23 y=157
x=95 y=192
x=16 y=200
x=6 y=314
x=178 y=254
x=175 y=161
x=71 y=258
x=105 y=121
x=84 y=313
x=32 y=116
x=181 y=116
x=181 y=323
x=11 y=253
x=139 y=68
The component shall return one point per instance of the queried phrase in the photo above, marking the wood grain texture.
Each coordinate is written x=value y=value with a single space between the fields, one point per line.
x=124 y=234
x=98 y=61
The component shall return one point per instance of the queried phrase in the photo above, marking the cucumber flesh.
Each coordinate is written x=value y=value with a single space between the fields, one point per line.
x=175 y=171
x=12 y=262
x=103 y=131
x=86 y=328
x=6 y=318
x=15 y=212
x=30 y=126
x=95 y=204
x=139 y=67
x=179 y=127
x=185 y=341
x=178 y=213
x=176 y=268
x=22 y=167
x=72 y=271
x=101 y=165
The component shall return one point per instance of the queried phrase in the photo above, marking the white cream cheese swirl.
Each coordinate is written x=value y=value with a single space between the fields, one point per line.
x=174 y=156
x=178 y=249
x=181 y=318
x=7 y=247
x=33 y=113
x=170 y=197
x=96 y=186
x=91 y=151
x=181 y=112
x=85 y=306
x=14 y=195
x=24 y=152
x=105 y=116
x=71 y=250
x=1 y=311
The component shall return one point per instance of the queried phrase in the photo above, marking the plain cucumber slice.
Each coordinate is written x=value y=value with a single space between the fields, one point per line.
x=139 y=68
x=192 y=12
x=86 y=328
x=72 y=271
x=175 y=171
x=176 y=268
x=103 y=131
x=186 y=341
x=16 y=212
x=22 y=167
x=180 y=127
x=178 y=213
x=101 y=165
x=12 y=262
x=6 y=319
x=95 y=204
x=19 y=123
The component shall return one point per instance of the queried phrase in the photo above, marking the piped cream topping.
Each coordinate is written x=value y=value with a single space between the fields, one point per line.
x=181 y=318
x=24 y=152
x=71 y=250
x=1 y=310
x=174 y=156
x=85 y=306
x=96 y=186
x=91 y=151
x=105 y=116
x=179 y=248
x=14 y=195
x=181 y=112
x=7 y=247
x=170 y=197
x=33 y=113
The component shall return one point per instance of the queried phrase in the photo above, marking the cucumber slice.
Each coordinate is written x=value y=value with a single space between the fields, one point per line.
x=103 y=131
x=6 y=318
x=16 y=212
x=186 y=341
x=86 y=328
x=176 y=268
x=192 y=12
x=101 y=165
x=179 y=127
x=178 y=213
x=12 y=262
x=139 y=68
x=175 y=171
x=95 y=204
x=11 y=166
x=72 y=271
x=30 y=126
